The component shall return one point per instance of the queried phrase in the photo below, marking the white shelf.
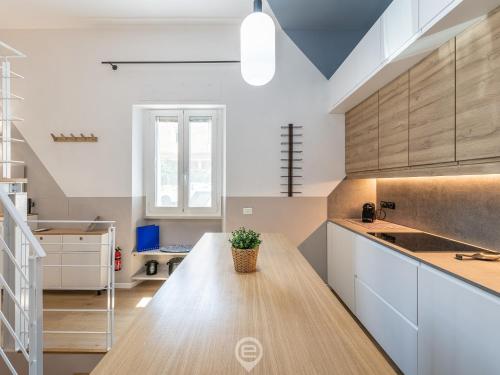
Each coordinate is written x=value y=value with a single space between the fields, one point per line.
x=156 y=253
x=162 y=274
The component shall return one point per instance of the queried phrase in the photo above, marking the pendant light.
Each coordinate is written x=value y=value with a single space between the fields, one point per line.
x=258 y=47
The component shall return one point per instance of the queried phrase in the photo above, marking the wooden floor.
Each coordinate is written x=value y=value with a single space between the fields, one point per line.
x=127 y=306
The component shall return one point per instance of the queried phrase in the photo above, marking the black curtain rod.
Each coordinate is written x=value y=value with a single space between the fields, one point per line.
x=114 y=64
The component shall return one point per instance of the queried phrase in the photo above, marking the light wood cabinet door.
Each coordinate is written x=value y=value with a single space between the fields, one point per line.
x=362 y=136
x=478 y=90
x=393 y=123
x=432 y=108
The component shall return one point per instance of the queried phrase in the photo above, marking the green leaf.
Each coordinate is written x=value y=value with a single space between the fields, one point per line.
x=245 y=239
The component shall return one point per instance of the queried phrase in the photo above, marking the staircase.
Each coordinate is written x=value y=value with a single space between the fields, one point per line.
x=21 y=310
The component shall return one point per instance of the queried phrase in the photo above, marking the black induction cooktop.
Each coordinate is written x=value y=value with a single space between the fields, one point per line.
x=424 y=242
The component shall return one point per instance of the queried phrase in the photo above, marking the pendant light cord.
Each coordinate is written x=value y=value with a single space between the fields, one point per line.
x=257 y=6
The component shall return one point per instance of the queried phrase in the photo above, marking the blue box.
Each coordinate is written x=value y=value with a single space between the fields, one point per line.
x=148 y=238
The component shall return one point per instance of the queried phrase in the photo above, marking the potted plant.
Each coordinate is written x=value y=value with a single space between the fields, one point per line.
x=245 y=248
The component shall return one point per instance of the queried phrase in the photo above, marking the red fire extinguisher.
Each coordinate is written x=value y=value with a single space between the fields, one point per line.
x=118 y=259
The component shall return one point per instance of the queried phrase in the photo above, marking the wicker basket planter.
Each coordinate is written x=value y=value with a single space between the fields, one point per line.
x=245 y=261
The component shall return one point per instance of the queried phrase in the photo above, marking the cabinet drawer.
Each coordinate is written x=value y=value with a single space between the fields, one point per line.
x=50 y=243
x=85 y=259
x=51 y=277
x=82 y=277
x=52 y=260
x=82 y=243
x=396 y=335
x=391 y=275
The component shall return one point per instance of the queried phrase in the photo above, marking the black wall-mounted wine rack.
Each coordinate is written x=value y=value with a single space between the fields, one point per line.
x=292 y=149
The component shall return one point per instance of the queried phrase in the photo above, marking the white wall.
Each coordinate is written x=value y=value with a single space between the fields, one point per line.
x=67 y=90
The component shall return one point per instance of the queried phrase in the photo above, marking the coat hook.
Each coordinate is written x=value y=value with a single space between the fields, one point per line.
x=73 y=138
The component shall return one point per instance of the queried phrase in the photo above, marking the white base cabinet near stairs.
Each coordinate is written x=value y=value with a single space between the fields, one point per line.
x=75 y=261
x=428 y=322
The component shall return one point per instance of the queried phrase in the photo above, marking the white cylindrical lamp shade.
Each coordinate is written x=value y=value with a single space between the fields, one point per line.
x=258 y=49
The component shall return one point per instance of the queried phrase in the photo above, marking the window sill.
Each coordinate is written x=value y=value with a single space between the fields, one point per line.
x=183 y=217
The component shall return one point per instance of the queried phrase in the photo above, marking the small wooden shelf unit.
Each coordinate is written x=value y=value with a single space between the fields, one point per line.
x=162 y=273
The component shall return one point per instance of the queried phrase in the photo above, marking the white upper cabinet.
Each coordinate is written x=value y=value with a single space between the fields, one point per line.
x=430 y=9
x=399 y=24
x=399 y=38
x=357 y=67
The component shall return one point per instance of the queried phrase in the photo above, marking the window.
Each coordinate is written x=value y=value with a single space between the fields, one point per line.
x=185 y=160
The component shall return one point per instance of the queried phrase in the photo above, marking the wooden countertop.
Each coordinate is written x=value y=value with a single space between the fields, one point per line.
x=485 y=275
x=194 y=322
x=14 y=180
x=71 y=231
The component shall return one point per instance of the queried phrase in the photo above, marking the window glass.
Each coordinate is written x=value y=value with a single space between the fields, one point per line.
x=200 y=161
x=167 y=165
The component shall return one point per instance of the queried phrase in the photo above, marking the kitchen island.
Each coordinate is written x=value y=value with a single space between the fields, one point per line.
x=284 y=312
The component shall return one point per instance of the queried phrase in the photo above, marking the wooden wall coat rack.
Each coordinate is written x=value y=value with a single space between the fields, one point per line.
x=73 y=138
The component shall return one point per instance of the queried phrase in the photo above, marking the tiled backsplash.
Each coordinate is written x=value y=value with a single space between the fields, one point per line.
x=347 y=200
x=466 y=208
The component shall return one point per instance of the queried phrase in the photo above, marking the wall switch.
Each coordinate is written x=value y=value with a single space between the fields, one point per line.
x=389 y=205
x=248 y=211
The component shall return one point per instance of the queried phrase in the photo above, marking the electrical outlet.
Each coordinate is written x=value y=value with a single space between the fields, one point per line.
x=248 y=211
x=388 y=205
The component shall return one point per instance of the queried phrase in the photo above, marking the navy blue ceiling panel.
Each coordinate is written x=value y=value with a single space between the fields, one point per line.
x=327 y=30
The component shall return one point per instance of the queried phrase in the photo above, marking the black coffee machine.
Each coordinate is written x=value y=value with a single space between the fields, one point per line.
x=368 y=215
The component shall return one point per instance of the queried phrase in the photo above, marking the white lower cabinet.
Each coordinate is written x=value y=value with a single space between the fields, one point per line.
x=394 y=333
x=428 y=322
x=386 y=300
x=459 y=326
x=392 y=276
x=340 y=259
x=75 y=261
x=52 y=271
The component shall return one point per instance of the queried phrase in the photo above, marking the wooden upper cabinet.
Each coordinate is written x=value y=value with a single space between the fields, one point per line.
x=393 y=124
x=362 y=136
x=478 y=90
x=432 y=108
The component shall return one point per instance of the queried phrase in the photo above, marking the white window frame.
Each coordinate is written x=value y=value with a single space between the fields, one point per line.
x=183 y=211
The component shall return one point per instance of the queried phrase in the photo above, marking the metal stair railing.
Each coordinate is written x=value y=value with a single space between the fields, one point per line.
x=106 y=266
x=21 y=315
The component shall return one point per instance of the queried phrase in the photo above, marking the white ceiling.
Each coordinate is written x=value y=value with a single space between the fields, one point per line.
x=82 y=13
